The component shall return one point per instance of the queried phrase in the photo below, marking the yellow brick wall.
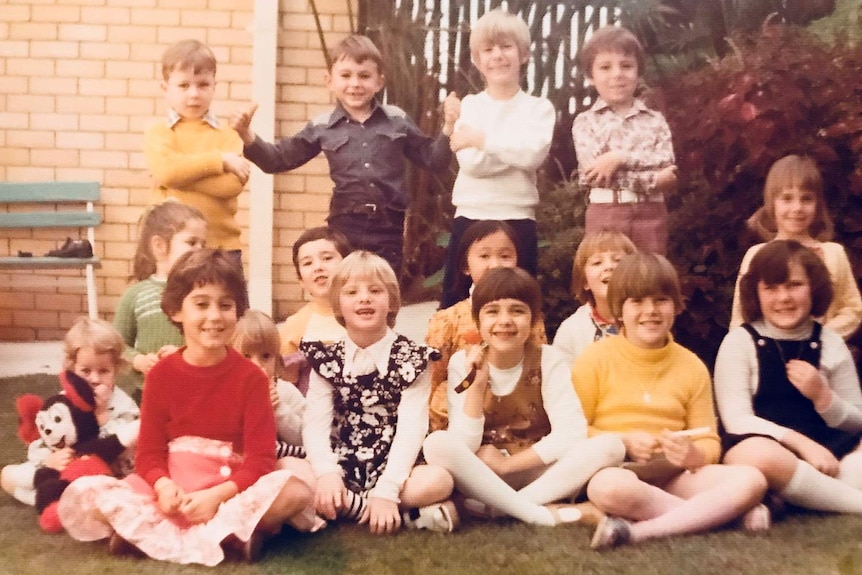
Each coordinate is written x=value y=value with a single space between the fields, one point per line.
x=79 y=82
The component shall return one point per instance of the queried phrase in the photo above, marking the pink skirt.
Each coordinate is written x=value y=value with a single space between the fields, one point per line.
x=93 y=508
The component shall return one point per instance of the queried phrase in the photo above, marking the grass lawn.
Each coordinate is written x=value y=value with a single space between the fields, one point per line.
x=803 y=544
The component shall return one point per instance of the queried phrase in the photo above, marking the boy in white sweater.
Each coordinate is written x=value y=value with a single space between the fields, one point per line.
x=501 y=138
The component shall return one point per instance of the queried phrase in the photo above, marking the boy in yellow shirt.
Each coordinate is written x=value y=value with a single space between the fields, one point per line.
x=191 y=156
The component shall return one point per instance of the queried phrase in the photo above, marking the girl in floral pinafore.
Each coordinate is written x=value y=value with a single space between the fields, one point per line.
x=367 y=410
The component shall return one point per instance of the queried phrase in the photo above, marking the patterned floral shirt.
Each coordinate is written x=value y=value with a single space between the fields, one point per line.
x=641 y=133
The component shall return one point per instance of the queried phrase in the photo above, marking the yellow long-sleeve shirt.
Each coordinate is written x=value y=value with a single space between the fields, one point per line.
x=185 y=162
x=626 y=388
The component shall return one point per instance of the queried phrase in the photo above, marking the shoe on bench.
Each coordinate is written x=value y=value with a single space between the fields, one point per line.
x=73 y=249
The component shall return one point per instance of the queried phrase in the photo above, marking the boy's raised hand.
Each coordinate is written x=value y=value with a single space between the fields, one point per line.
x=240 y=121
x=451 y=112
x=236 y=165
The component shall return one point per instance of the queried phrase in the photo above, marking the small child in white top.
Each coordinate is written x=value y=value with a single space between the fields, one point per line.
x=595 y=260
x=93 y=351
x=256 y=338
x=367 y=410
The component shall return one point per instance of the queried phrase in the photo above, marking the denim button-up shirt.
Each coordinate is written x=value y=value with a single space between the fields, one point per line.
x=366 y=159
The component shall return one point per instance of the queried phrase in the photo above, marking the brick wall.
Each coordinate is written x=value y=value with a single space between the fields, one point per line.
x=79 y=82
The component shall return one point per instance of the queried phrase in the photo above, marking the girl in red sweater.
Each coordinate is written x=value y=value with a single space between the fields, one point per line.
x=205 y=478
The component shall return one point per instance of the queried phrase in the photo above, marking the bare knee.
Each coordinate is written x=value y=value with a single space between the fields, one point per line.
x=427 y=484
x=773 y=460
x=611 y=488
x=438 y=446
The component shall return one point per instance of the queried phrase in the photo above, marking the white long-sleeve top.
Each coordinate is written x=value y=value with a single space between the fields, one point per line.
x=288 y=412
x=499 y=181
x=568 y=423
x=410 y=430
x=737 y=378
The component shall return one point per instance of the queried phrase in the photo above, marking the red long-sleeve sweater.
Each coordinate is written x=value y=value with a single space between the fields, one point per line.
x=228 y=401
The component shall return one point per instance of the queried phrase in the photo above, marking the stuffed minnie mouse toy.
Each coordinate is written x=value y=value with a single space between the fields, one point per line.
x=65 y=420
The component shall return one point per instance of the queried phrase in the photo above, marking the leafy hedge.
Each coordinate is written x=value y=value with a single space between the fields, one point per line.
x=780 y=91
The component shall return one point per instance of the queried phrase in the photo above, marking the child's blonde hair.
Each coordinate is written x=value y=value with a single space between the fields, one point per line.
x=793 y=171
x=191 y=55
x=97 y=334
x=364 y=265
x=641 y=275
x=498 y=25
x=162 y=220
x=593 y=243
x=613 y=39
x=359 y=49
x=256 y=333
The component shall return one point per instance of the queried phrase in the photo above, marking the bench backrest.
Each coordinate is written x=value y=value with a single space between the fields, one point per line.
x=49 y=192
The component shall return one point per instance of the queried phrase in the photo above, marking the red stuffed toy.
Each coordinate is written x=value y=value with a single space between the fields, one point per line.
x=65 y=420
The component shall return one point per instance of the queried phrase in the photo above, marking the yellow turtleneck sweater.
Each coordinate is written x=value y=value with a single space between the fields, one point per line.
x=626 y=388
x=185 y=162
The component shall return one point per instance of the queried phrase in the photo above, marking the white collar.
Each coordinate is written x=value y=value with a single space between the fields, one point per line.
x=209 y=118
x=379 y=352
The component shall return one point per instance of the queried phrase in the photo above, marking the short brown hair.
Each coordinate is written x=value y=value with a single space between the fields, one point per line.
x=771 y=265
x=359 y=49
x=610 y=39
x=199 y=268
x=363 y=265
x=593 y=243
x=508 y=283
x=793 y=171
x=188 y=55
x=96 y=333
x=641 y=275
x=342 y=245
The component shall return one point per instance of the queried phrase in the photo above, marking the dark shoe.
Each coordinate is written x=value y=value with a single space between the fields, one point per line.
x=248 y=551
x=73 y=249
x=610 y=532
x=25 y=254
x=119 y=546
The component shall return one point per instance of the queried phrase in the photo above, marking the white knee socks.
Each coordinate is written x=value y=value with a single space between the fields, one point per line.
x=814 y=490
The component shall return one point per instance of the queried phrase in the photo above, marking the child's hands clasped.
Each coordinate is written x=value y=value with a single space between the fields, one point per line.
x=169 y=496
x=680 y=451
x=200 y=506
x=640 y=445
x=382 y=516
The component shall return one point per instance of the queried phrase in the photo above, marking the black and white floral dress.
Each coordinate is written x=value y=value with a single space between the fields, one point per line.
x=365 y=407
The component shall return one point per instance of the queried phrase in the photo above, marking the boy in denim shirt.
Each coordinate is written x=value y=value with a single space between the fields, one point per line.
x=365 y=144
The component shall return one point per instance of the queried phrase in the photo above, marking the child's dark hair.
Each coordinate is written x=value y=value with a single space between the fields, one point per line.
x=359 y=49
x=610 y=39
x=161 y=220
x=199 y=268
x=508 y=283
x=342 y=245
x=771 y=265
x=641 y=275
x=593 y=243
x=793 y=171
x=256 y=333
x=475 y=232
x=191 y=55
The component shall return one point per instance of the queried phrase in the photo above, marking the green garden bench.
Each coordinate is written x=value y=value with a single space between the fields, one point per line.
x=53 y=205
